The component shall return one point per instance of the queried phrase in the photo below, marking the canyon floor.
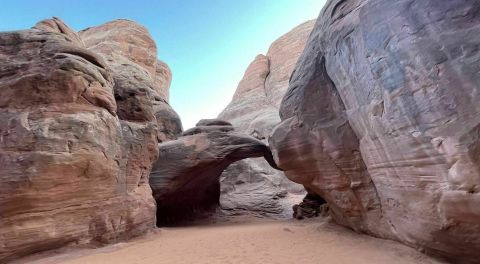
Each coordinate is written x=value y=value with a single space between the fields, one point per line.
x=247 y=240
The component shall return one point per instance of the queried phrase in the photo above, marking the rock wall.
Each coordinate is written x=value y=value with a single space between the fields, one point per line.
x=79 y=135
x=251 y=185
x=382 y=120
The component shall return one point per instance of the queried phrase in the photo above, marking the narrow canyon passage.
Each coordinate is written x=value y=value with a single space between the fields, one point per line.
x=355 y=127
x=250 y=240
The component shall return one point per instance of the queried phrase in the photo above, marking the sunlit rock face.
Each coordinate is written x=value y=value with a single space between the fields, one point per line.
x=141 y=80
x=185 y=178
x=251 y=185
x=79 y=137
x=382 y=120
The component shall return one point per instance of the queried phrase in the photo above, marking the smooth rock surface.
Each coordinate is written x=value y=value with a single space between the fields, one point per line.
x=185 y=178
x=75 y=157
x=163 y=79
x=382 y=120
x=251 y=185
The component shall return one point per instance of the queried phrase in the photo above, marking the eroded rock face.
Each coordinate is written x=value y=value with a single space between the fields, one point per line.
x=185 y=178
x=311 y=206
x=163 y=79
x=382 y=120
x=141 y=80
x=254 y=106
x=247 y=184
x=75 y=157
x=145 y=116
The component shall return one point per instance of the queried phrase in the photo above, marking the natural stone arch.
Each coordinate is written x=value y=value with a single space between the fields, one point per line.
x=185 y=178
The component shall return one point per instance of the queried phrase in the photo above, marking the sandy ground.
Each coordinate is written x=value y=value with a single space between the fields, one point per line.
x=249 y=241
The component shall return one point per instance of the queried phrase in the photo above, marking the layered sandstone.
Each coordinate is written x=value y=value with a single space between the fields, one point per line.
x=251 y=185
x=382 y=120
x=185 y=178
x=78 y=136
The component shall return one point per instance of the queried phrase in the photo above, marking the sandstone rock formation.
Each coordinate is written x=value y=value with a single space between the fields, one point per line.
x=78 y=135
x=163 y=79
x=382 y=120
x=251 y=185
x=311 y=206
x=185 y=178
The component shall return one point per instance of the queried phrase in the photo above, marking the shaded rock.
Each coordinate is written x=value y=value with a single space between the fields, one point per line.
x=213 y=122
x=311 y=206
x=185 y=178
x=248 y=189
x=75 y=155
x=206 y=129
x=168 y=121
x=254 y=110
x=381 y=120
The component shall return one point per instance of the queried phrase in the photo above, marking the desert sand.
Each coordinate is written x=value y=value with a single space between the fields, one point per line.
x=248 y=240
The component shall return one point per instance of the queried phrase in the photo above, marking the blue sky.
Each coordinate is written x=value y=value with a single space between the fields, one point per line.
x=208 y=44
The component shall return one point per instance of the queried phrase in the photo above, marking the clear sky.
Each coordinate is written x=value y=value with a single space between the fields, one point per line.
x=208 y=44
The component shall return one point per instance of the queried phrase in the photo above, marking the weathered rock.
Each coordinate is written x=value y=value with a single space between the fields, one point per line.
x=56 y=25
x=74 y=166
x=206 y=129
x=145 y=116
x=163 y=79
x=254 y=106
x=141 y=80
x=123 y=39
x=213 y=122
x=168 y=121
x=248 y=188
x=247 y=184
x=382 y=120
x=185 y=178
x=311 y=206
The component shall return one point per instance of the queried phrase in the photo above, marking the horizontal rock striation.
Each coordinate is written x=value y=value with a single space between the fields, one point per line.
x=382 y=120
x=78 y=137
x=251 y=185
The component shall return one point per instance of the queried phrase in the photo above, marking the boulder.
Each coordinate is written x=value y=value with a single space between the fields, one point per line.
x=185 y=178
x=247 y=185
x=381 y=119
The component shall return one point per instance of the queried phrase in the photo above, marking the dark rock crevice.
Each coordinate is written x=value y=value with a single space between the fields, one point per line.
x=311 y=206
